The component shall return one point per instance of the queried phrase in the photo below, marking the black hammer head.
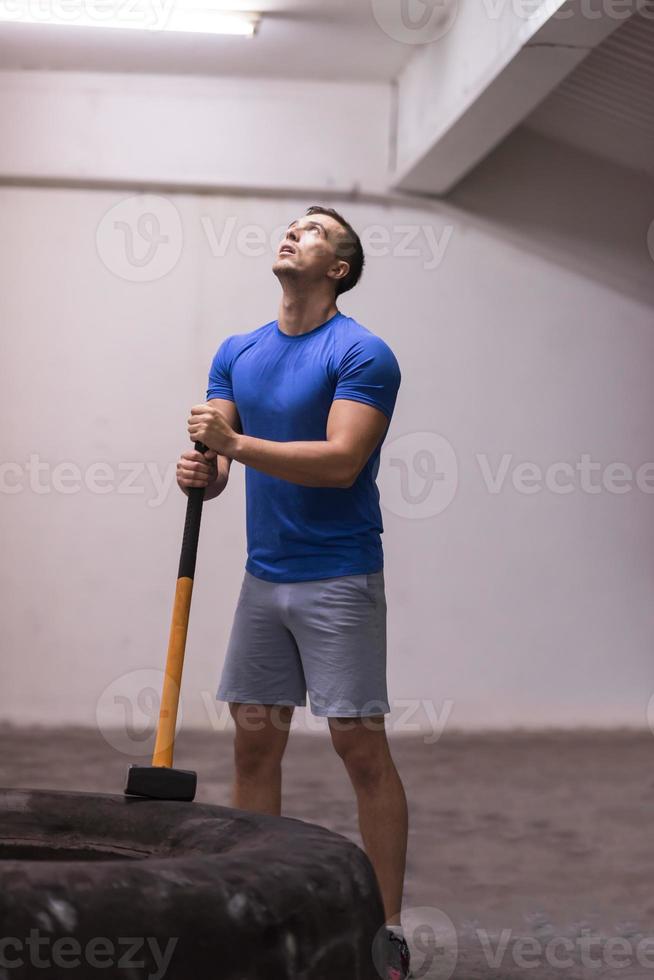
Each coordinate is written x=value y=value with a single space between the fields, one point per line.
x=161 y=783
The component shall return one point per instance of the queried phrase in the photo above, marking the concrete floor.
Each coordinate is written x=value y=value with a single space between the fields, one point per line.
x=546 y=837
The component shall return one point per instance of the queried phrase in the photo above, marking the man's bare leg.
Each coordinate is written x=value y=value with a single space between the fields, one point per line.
x=259 y=743
x=383 y=813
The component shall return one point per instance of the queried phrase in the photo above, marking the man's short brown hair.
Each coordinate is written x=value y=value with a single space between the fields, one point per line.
x=349 y=248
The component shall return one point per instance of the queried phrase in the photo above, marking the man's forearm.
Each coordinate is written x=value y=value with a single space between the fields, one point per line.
x=311 y=464
x=219 y=483
x=223 y=464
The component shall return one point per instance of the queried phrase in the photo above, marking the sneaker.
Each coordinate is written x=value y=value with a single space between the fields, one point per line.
x=399 y=958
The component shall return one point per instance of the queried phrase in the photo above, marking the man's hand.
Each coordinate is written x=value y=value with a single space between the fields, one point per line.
x=197 y=470
x=209 y=425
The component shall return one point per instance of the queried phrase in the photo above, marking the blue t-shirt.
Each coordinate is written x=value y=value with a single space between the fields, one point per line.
x=283 y=387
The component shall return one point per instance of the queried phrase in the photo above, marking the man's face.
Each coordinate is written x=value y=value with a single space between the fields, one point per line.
x=308 y=249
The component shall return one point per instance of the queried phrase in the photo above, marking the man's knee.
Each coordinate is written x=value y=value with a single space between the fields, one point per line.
x=362 y=745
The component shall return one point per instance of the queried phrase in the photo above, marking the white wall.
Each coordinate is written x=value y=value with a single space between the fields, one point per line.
x=193 y=131
x=506 y=608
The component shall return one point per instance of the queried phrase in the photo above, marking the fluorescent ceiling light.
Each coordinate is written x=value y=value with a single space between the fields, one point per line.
x=197 y=17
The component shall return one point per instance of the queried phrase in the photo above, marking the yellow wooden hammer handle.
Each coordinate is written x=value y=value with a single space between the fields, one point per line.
x=163 y=749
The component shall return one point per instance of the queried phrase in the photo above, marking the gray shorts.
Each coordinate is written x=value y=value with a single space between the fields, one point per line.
x=327 y=636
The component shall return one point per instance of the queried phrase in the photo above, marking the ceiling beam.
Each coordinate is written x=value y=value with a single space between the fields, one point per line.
x=462 y=94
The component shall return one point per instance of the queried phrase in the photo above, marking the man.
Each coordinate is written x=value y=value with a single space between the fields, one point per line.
x=304 y=402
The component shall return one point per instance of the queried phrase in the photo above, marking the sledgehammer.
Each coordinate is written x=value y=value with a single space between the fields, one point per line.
x=160 y=781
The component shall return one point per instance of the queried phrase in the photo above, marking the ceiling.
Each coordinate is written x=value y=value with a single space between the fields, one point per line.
x=606 y=105
x=314 y=39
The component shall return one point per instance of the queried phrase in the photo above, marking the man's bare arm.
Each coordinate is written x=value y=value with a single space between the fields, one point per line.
x=353 y=431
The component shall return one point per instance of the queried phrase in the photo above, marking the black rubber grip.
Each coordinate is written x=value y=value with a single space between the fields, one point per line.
x=191 y=527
